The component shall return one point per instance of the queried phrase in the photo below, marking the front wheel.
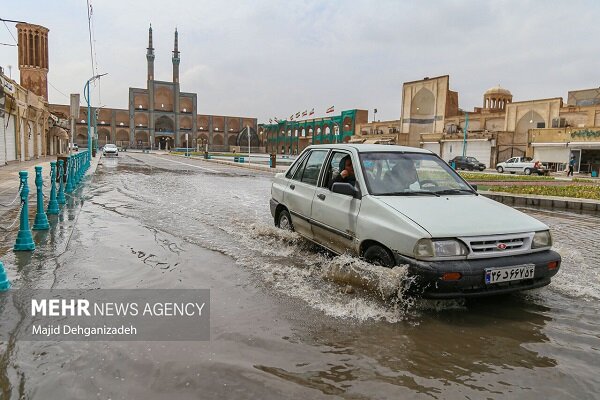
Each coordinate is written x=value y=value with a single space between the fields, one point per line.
x=500 y=169
x=284 y=221
x=379 y=255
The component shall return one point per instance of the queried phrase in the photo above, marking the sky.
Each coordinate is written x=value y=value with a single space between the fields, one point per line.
x=271 y=58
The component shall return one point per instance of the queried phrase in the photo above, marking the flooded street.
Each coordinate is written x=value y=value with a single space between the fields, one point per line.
x=283 y=322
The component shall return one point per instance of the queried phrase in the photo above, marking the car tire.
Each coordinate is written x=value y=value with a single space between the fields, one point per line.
x=470 y=168
x=284 y=221
x=527 y=171
x=379 y=255
x=500 y=169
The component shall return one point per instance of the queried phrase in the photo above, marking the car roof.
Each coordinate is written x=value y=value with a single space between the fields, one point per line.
x=370 y=148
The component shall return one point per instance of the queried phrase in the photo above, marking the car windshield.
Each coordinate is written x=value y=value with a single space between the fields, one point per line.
x=110 y=146
x=472 y=159
x=410 y=174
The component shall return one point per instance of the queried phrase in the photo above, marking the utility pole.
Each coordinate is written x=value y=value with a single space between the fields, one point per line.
x=465 y=135
x=74 y=115
x=248 y=127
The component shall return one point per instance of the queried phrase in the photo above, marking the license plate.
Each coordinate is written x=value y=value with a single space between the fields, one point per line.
x=506 y=274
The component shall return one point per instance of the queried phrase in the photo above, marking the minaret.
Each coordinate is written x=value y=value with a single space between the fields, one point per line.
x=150 y=55
x=176 y=59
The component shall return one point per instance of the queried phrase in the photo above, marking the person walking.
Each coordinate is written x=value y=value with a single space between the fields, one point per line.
x=571 y=166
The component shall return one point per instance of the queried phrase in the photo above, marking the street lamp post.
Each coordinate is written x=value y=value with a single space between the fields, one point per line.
x=87 y=98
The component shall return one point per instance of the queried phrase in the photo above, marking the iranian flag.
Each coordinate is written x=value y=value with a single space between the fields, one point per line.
x=311 y=112
x=330 y=110
x=305 y=113
x=298 y=114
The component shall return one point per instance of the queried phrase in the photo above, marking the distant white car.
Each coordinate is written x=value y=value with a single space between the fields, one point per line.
x=74 y=146
x=522 y=165
x=110 y=150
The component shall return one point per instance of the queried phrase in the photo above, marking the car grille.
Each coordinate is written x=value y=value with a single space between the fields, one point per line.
x=498 y=245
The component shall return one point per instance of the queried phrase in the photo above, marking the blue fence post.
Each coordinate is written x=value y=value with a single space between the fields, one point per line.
x=53 y=203
x=24 y=238
x=4 y=282
x=61 y=187
x=41 y=219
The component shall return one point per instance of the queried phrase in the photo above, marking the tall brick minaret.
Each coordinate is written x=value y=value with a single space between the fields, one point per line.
x=150 y=55
x=33 y=58
x=176 y=59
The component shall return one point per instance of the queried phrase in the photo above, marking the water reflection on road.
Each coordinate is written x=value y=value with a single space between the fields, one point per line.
x=281 y=327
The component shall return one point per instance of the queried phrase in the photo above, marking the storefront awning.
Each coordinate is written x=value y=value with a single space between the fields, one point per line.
x=58 y=132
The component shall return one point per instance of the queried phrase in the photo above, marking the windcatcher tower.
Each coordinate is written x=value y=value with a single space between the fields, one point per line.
x=33 y=58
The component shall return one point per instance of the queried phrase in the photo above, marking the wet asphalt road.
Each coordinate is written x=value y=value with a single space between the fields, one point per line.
x=280 y=328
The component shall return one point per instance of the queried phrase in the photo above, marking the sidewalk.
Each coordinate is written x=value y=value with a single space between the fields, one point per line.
x=9 y=186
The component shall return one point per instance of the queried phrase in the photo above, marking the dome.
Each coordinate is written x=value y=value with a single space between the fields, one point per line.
x=498 y=90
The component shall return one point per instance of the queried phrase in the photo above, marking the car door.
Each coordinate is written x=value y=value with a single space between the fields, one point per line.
x=300 y=191
x=510 y=164
x=334 y=215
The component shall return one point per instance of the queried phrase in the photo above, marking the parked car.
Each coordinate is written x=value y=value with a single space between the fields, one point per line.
x=74 y=146
x=110 y=150
x=524 y=165
x=470 y=163
x=408 y=207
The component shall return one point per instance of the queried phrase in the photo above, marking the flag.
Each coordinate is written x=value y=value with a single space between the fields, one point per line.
x=292 y=117
x=276 y=120
x=270 y=120
x=311 y=112
x=298 y=114
x=330 y=110
x=305 y=113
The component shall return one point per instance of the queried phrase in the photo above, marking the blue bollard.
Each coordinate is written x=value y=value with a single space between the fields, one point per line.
x=61 y=187
x=53 y=203
x=41 y=220
x=69 y=185
x=24 y=238
x=4 y=282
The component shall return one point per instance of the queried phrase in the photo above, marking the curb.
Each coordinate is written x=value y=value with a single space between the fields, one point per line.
x=257 y=167
x=567 y=203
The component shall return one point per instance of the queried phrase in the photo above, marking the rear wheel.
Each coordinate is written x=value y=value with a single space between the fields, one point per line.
x=379 y=255
x=527 y=171
x=284 y=221
x=500 y=169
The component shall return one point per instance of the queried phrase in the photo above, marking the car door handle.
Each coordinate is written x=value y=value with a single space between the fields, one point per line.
x=292 y=187
x=321 y=196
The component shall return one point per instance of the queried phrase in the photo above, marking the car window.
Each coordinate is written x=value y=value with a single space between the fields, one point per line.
x=296 y=166
x=333 y=167
x=391 y=173
x=511 y=160
x=297 y=174
x=314 y=162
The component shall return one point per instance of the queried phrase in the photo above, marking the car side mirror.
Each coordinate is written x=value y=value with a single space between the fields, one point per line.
x=344 y=188
x=474 y=187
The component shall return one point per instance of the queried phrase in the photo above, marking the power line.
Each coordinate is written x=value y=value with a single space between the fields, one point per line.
x=55 y=88
x=8 y=44
x=13 y=36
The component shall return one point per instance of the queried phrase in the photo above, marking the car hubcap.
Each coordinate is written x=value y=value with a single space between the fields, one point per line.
x=284 y=223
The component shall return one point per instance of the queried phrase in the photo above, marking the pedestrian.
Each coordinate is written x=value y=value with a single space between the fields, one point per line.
x=571 y=166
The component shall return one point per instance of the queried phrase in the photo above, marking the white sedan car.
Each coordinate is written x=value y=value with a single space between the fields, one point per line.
x=394 y=205
x=110 y=150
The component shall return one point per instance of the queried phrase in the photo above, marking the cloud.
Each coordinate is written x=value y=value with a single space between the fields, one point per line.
x=269 y=58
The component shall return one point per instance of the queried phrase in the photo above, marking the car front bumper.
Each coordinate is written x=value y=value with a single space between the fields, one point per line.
x=428 y=275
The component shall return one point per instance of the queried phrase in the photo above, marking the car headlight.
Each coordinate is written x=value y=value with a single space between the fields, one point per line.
x=427 y=248
x=541 y=239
